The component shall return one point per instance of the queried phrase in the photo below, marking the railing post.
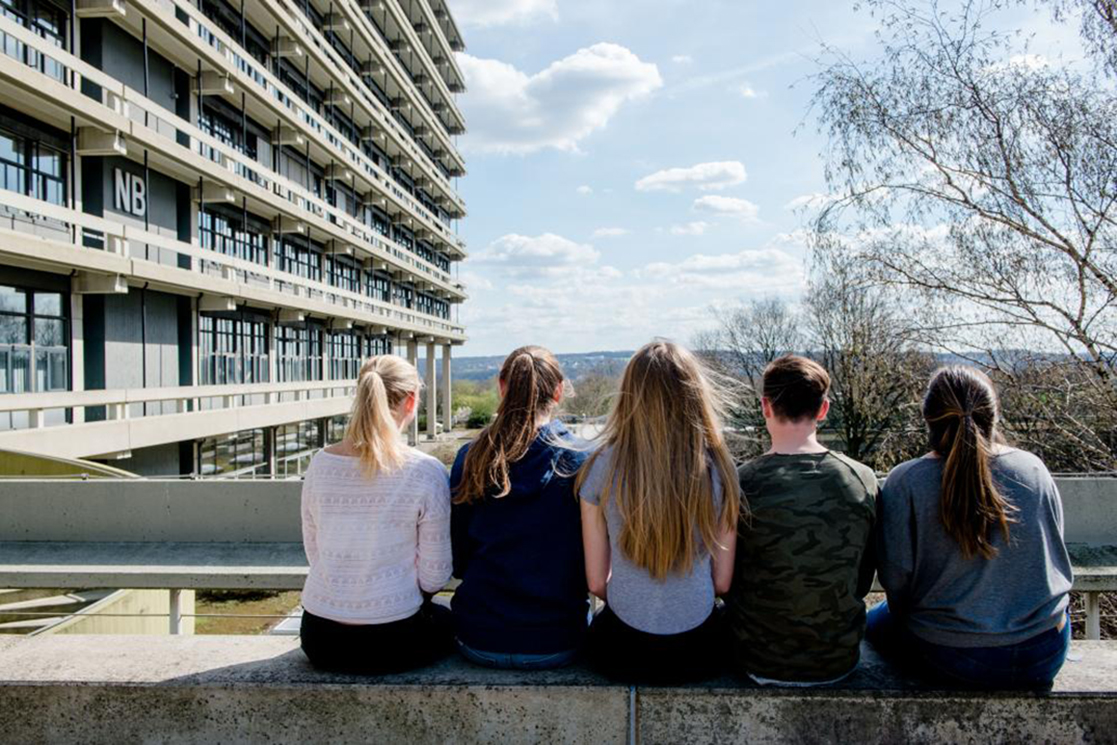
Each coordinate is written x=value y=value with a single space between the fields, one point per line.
x=175 y=614
x=1093 y=616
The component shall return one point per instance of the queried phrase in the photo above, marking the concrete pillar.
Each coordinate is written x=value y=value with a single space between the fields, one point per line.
x=77 y=349
x=413 y=358
x=432 y=393
x=447 y=397
x=270 y=451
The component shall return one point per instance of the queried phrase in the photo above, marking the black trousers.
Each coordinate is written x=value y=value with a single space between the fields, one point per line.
x=630 y=655
x=377 y=649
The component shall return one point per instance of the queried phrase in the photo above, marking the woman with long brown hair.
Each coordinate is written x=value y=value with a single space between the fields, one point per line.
x=376 y=529
x=970 y=550
x=660 y=504
x=522 y=602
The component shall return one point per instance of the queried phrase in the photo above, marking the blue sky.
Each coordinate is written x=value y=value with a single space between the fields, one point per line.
x=633 y=164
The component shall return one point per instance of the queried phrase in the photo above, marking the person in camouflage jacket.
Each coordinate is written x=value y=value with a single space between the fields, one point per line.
x=804 y=559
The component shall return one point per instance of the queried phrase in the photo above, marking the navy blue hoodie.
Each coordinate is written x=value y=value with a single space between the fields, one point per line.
x=519 y=558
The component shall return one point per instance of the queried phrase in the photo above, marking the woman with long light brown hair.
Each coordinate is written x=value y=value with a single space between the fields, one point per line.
x=660 y=504
x=970 y=550
x=376 y=529
x=522 y=602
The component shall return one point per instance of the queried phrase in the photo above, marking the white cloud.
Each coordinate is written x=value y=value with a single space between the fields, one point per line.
x=510 y=111
x=704 y=176
x=610 y=232
x=772 y=268
x=747 y=91
x=698 y=227
x=500 y=12
x=547 y=255
x=585 y=190
x=728 y=206
x=683 y=59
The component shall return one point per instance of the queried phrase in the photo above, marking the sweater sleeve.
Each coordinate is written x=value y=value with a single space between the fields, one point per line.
x=310 y=528
x=895 y=544
x=434 y=558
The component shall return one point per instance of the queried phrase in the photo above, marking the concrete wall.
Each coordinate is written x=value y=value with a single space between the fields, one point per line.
x=198 y=689
x=161 y=460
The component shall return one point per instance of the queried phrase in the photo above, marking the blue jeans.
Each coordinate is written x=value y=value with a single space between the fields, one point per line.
x=1030 y=665
x=515 y=660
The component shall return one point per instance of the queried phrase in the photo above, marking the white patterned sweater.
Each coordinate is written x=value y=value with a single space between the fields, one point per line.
x=374 y=544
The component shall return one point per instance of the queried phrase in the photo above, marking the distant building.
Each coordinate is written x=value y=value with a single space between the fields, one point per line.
x=210 y=212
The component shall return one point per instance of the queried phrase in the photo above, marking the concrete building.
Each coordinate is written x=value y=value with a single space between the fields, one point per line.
x=210 y=212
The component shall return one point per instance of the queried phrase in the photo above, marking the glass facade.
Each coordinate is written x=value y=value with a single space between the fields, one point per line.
x=295 y=444
x=235 y=454
x=345 y=355
x=298 y=352
x=34 y=341
x=233 y=233
x=232 y=348
x=32 y=168
x=42 y=18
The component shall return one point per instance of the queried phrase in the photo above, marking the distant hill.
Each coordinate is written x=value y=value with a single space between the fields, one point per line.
x=574 y=365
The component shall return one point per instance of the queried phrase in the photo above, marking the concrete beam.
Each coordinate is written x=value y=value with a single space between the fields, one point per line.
x=88 y=283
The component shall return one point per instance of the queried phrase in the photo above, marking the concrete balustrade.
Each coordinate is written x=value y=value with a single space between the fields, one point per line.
x=256 y=689
x=227 y=534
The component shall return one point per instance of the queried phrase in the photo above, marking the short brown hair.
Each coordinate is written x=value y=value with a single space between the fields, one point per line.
x=795 y=387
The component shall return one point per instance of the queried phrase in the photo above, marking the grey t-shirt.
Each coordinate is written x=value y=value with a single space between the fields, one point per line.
x=976 y=602
x=678 y=603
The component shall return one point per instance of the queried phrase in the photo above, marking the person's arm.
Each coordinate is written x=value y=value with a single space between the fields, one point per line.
x=895 y=544
x=868 y=569
x=309 y=527
x=434 y=559
x=722 y=559
x=460 y=517
x=595 y=543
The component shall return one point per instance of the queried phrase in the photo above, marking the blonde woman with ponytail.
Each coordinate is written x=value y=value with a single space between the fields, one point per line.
x=522 y=602
x=970 y=550
x=660 y=504
x=376 y=529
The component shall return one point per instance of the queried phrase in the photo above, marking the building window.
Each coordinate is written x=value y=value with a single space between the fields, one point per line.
x=233 y=233
x=378 y=287
x=233 y=349
x=296 y=257
x=32 y=168
x=344 y=273
x=241 y=453
x=403 y=296
x=34 y=335
x=299 y=353
x=432 y=306
x=295 y=444
x=42 y=18
x=233 y=23
x=345 y=355
x=377 y=345
x=335 y=428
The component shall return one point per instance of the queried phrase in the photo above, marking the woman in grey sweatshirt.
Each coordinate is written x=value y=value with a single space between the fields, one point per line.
x=971 y=552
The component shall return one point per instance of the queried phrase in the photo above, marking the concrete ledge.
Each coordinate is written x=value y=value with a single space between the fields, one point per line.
x=255 y=689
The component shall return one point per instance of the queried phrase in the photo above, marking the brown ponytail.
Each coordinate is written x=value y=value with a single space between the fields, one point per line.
x=383 y=384
x=530 y=376
x=961 y=412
